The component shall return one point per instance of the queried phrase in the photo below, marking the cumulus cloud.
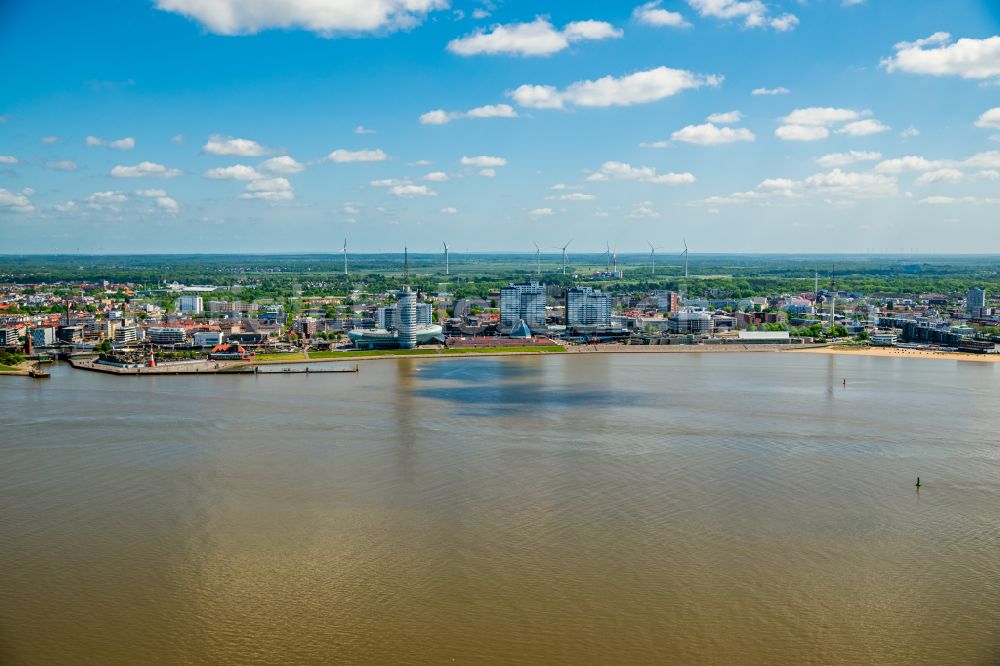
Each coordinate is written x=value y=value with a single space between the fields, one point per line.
x=436 y=176
x=712 y=135
x=272 y=190
x=801 y=133
x=770 y=91
x=61 y=165
x=234 y=172
x=50 y=140
x=160 y=198
x=12 y=201
x=442 y=117
x=865 y=127
x=987 y=160
x=935 y=56
x=127 y=143
x=575 y=196
x=820 y=116
x=345 y=156
x=539 y=212
x=638 y=88
x=282 y=164
x=244 y=17
x=643 y=209
x=624 y=171
x=727 y=118
x=538 y=38
x=844 y=159
x=835 y=183
x=909 y=131
x=109 y=200
x=753 y=13
x=946 y=175
x=222 y=145
x=899 y=165
x=651 y=14
x=410 y=190
x=939 y=200
x=361 y=129
x=484 y=161
x=989 y=118
x=144 y=169
x=8 y=159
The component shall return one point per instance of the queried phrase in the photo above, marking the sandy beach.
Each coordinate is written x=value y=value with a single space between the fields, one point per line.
x=895 y=352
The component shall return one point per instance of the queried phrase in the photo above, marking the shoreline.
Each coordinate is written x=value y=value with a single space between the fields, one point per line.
x=901 y=352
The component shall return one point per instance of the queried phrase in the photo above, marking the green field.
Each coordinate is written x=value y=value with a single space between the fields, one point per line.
x=322 y=355
x=9 y=368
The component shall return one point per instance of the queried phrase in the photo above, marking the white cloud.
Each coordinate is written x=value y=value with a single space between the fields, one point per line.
x=61 y=165
x=344 y=156
x=361 y=129
x=449 y=210
x=177 y=139
x=989 y=118
x=106 y=200
x=909 y=131
x=865 y=127
x=234 y=172
x=269 y=189
x=559 y=186
x=50 y=139
x=835 y=183
x=167 y=204
x=151 y=193
x=754 y=13
x=852 y=184
x=770 y=91
x=145 y=169
x=420 y=163
x=940 y=201
x=655 y=144
x=539 y=212
x=638 y=88
x=436 y=176
x=727 y=118
x=18 y=203
x=441 y=117
x=651 y=14
x=387 y=182
x=801 y=133
x=282 y=164
x=484 y=161
x=712 y=135
x=222 y=145
x=821 y=116
x=8 y=159
x=538 y=38
x=575 y=196
x=966 y=58
x=128 y=143
x=643 y=209
x=850 y=157
x=488 y=173
x=987 y=160
x=623 y=171
x=908 y=163
x=412 y=191
x=243 y=17
x=946 y=175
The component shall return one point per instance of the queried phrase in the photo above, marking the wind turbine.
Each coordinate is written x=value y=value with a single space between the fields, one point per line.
x=345 y=256
x=685 y=255
x=608 y=252
x=538 y=258
x=447 y=271
x=652 y=257
x=564 y=255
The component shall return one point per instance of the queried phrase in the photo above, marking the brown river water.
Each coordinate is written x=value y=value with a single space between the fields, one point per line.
x=594 y=509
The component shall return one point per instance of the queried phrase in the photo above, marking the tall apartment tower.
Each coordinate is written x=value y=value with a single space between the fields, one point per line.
x=587 y=307
x=406 y=316
x=525 y=302
x=975 y=302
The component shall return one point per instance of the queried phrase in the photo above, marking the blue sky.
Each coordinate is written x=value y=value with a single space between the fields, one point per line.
x=286 y=125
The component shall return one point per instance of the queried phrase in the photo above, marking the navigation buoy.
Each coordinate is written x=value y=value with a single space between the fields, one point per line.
x=918 y=482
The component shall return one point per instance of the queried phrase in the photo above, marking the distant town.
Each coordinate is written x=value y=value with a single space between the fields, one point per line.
x=120 y=325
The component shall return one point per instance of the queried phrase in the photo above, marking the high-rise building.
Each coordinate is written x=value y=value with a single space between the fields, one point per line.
x=190 y=304
x=407 y=310
x=127 y=334
x=523 y=302
x=666 y=301
x=8 y=337
x=425 y=314
x=43 y=336
x=975 y=302
x=587 y=307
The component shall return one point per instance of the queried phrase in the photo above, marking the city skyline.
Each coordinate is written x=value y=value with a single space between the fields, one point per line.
x=741 y=126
